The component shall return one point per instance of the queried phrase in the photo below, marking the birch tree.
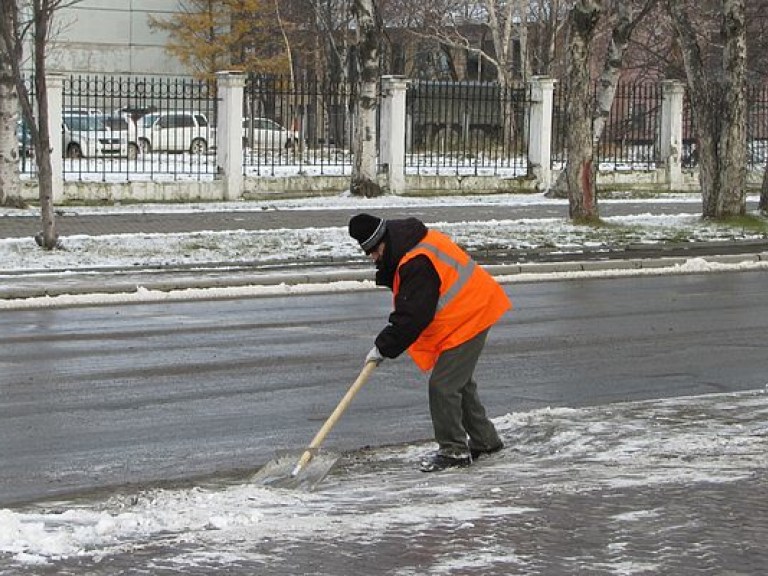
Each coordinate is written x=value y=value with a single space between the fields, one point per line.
x=719 y=105
x=14 y=30
x=580 y=170
x=332 y=21
x=10 y=182
x=621 y=18
x=364 y=142
x=626 y=16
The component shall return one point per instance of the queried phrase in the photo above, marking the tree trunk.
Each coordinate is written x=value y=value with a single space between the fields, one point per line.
x=609 y=78
x=10 y=182
x=48 y=238
x=580 y=168
x=626 y=21
x=763 y=205
x=364 y=168
x=732 y=200
x=719 y=106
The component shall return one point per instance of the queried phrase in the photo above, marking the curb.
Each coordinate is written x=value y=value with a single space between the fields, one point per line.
x=113 y=285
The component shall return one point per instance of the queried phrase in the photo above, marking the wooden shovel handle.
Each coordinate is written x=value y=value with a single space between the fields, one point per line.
x=334 y=417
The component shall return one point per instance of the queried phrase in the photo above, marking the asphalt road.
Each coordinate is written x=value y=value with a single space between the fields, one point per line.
x=95 y=397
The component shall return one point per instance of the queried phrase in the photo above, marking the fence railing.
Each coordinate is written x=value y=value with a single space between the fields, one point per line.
x=130 y=128
x=133 y=127
x=27 y=163
x=303 y=125
x=630 y=136
x=476 y=128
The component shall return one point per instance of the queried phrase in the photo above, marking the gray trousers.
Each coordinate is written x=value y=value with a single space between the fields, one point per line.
x=458 y=417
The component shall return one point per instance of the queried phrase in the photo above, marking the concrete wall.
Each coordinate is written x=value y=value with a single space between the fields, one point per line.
x=112 y=37
x=272 y=188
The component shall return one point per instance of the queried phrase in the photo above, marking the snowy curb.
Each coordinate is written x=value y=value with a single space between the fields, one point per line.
x=262 y=285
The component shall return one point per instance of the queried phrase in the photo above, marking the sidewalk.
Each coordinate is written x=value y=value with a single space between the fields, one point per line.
x=671 y=486
x=155 y=223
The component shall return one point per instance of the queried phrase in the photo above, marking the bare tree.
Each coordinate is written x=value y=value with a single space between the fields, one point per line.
x=548 y=18
x=14 y=31
x=454 y=23
x=580 y=170
x=332 y=21
x=625 y=16
x=719 y=105
x=364 y=143
x=621 y=18
x=10 y=182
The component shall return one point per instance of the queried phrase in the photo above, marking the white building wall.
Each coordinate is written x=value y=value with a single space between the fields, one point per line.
x=112 y=37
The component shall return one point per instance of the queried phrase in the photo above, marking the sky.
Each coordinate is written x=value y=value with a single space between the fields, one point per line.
x=557 y=452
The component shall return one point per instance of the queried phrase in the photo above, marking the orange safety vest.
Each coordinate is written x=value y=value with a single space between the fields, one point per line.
x=470 y=299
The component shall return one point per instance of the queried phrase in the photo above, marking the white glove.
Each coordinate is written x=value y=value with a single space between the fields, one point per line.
x=374 y=356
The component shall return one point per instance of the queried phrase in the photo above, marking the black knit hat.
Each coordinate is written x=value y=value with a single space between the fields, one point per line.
x=367 y=230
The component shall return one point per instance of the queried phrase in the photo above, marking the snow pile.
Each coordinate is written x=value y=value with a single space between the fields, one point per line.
x=710 y=439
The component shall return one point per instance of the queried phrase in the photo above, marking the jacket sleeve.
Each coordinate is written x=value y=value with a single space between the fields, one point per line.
x=415 y=307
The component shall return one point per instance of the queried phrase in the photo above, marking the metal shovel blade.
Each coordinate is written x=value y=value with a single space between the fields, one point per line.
x=311 y=466
x=279 y=472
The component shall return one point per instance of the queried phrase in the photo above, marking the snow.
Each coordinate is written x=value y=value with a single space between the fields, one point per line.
x=131 y=250
x=555 y=451
x=716 y=438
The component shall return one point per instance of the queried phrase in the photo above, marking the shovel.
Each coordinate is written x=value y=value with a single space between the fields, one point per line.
x=276 y=473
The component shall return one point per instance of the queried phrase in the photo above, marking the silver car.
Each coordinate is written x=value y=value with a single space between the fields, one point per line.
x=266 y=134
x=175 y=132
x=87 y=135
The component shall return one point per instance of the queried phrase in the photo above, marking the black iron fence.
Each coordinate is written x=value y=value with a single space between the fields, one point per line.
x=756 y=124
x=474 y=128
x=302 y=125
x=138 y=127
x=157 y=128
x=27 y=164
x=629 y=138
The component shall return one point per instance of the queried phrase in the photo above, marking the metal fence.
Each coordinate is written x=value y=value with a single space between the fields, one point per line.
x=297 y=126
x=629 y=139
x=756 y=124
x=27 y=164
x=129 y=127
x=468 y=128
x=158 y=128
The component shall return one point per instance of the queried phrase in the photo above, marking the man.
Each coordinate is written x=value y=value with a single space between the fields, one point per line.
x=444 y=305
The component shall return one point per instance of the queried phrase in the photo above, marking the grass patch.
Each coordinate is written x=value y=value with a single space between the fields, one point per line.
x=746 y=223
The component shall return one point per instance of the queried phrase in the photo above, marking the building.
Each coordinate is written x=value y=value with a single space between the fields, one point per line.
x=112 y=37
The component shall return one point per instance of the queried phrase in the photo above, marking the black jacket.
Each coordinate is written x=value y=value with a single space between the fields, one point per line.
x=416 y=301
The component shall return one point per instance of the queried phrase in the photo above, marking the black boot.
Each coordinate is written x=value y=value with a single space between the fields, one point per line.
x=477 y=452
x=438 y=462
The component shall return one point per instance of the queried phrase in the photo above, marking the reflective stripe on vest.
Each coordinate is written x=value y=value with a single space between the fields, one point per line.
x=464 y=272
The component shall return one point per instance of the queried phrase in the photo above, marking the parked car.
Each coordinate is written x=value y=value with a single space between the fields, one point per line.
x=82 y=112
x=266 y=134
x=175 y=132
x=87 y=135
x=123 y=125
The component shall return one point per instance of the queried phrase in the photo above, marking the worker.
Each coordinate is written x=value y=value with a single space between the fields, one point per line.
x=444 y=306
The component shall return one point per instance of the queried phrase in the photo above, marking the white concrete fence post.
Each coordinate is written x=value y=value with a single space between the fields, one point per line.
x=229 y=134
x=542 y=91
x=55 y=89
x=392 y=137
x=671 y=131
